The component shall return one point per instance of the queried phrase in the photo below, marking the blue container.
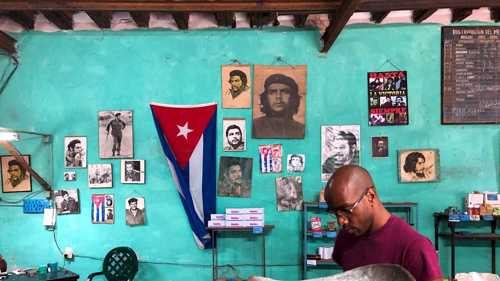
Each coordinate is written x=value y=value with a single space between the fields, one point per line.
x=331 y=234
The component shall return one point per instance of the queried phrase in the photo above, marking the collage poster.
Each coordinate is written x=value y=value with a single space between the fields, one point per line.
x=387 y=98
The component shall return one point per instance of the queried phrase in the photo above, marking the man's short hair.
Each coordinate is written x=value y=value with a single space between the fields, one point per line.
x=231 y=127
x=241 y=74
x=132 y=200
x=293 y=105
x=411 y=161
x=296 y=156
x=117 y=114
x=350 y=137
x=64 y=192
x=15 y=162
x=71 y=144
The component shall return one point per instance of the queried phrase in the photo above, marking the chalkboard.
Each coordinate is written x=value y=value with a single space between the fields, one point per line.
x=470 y=75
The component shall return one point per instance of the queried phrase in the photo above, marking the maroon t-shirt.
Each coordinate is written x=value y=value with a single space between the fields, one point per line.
x=396 y=242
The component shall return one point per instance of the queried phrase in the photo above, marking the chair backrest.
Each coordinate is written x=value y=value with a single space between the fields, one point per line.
x=120 y=264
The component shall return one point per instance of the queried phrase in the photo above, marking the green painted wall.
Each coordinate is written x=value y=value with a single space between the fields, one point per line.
x=64 y=79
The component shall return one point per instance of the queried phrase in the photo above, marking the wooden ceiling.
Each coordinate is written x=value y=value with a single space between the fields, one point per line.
x=260 y=12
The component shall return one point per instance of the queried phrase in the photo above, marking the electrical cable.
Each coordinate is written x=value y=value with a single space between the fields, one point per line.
x=16 y=64
x=21 y=200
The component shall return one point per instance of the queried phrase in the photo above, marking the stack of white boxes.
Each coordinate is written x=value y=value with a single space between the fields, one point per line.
x=238 y=217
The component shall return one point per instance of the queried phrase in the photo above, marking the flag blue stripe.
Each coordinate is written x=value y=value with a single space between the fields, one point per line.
x=209 y=166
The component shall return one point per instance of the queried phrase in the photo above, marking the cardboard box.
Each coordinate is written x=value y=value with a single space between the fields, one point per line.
x=474 y=200
x=218 y=217
x=245 y=217
x=216 y=223
x=241 y=211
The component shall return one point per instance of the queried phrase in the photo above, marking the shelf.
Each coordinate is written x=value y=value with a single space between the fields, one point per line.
x=472 y=236
x=322 y=234
x=323 y=263
x=267 y=227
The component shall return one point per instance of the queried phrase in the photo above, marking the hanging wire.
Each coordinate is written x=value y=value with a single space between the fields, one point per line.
x=281 y=60
x=15 y=62
x=388 y=61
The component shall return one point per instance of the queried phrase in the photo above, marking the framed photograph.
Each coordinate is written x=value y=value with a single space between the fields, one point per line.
x=380 y=146
x=235 y=134
x=270 y=158
x=69 y=176
x=340 y=145
x=15 y=178
x=75 y=152
x=135 y=211
x=279 y=102
x=388 y=98
x=67 y=201
x=116 y=134
x=100 y=175
x=236 y=86
x=418 y=165
x=103 y=209
x=132 y=171
x=235 y=177
x=295 y=163
x=289 y=193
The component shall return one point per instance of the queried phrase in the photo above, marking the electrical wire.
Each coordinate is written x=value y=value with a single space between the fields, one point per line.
x=16 y=64
x=21 y=200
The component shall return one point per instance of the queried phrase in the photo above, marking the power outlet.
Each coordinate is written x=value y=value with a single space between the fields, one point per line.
x=68 y=253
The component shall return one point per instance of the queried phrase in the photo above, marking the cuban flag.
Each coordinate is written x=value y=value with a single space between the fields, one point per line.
x=188 y=137
x=98 y=208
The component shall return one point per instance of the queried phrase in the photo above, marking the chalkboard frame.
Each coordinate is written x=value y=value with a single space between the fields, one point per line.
x=457 y=121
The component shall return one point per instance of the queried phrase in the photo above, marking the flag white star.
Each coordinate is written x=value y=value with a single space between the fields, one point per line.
x=184 y=130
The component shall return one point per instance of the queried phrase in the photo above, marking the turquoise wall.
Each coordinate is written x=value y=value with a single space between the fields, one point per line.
x=64 y=79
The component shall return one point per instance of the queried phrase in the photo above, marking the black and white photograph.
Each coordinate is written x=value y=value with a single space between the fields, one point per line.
x=295 y=163
x=116 y=134
x=279 y=102
x=418 y=165
x=235 y=134
x=289 y=195
x=235 y=177
x=236 y=86
x=70 y=176
x=135 y=211
x=75 y=152
x=132 y=171
x=380 y=146
x=67 y=201
x=339 y=147
x=15 y=177
x=100 y=175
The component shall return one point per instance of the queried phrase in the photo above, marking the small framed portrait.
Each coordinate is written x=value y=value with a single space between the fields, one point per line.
x=67 y=201
x=100 y=175
x=270 y=158
x=116 y=134
x=135 y=211
x=132 y=171
x=418 y=165
x=295 y=163
x=339 y=146
x=279 y=102
x=236 y=86
x=75 y=152
x=235 y=177
x=380 y=146
x=235 y=134
x=15 y=177
x=70 y=176
x=103 y=209
x=289 y=193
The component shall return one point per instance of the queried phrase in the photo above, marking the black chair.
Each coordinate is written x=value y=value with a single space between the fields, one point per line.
x=120 y=264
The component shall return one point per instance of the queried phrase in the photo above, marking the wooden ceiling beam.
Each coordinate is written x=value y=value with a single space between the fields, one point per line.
x=342 y=16
x=102 y=19
x=24 y=18
x=7 y=43
x=378 y=17
x=299 y=21
x=182 y=20
x=460 y=14
x=309 y=6
x=495 y=14
x=419 y=16
x=225 y=19
x=62 y=19
x=140 y=18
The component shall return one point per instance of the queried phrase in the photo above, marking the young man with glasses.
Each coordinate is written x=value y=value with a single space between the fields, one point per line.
x=370 y=234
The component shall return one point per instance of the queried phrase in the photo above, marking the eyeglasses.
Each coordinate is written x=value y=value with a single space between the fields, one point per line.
x=346 y=212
